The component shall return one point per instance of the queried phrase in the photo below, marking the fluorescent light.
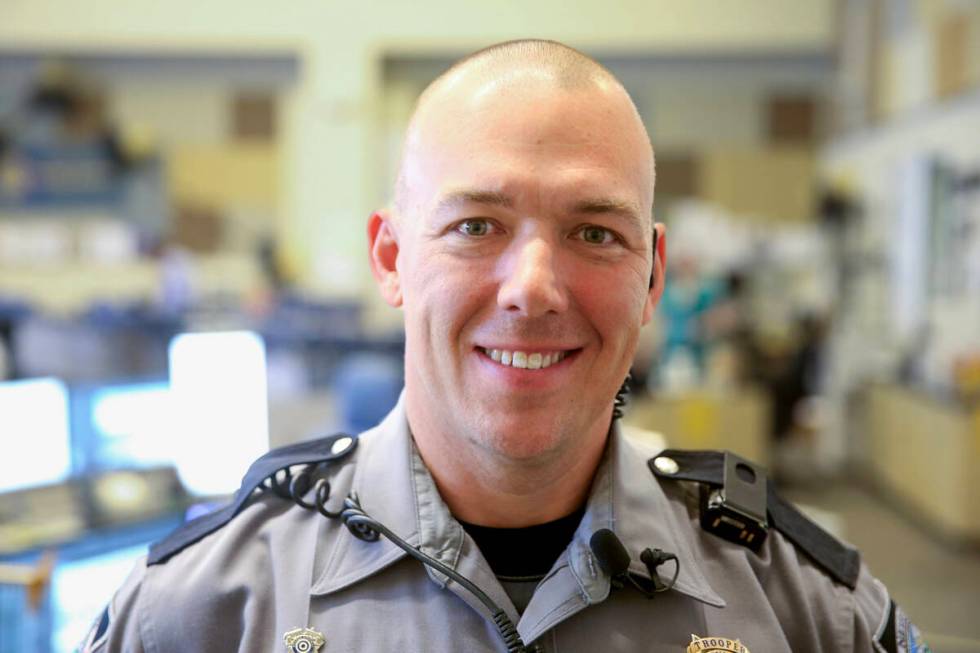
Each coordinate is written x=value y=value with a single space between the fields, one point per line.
x=221 y=423
x=135 y=423
x=34 y=433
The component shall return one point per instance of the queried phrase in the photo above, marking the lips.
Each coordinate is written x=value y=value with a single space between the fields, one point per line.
x=527 y=360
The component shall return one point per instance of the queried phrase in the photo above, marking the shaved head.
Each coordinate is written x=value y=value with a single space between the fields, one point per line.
x=527 y=67
x=564 y=66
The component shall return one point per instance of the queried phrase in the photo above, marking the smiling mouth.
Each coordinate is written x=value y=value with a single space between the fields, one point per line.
x=525 y=360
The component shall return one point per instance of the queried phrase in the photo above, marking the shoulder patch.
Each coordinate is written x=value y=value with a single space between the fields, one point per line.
x=710 y=467
x=900 y=635
x=330 y=448
x=97 y=634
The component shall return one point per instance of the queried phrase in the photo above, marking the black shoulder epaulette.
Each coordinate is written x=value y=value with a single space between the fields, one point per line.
x=333 y=447
x=738 y=504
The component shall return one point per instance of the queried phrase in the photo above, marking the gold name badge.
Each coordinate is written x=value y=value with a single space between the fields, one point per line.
x=715 y=645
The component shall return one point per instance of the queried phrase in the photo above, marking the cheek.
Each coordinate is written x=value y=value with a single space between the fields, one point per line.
x=441 y=298
x=614 y=308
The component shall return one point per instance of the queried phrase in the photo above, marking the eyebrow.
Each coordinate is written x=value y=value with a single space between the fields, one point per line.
x=602 y=206
x=471 y=196
x=589 y=206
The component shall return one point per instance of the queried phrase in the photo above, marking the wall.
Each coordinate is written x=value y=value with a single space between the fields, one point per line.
x=710 y=106
x=332 y=140
x=182 y=107
x=875 y=165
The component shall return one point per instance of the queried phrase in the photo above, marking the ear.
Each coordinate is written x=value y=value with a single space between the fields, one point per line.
x=659 y=272
x=383 y=249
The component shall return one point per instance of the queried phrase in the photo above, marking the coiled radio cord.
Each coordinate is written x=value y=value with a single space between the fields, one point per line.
x=294 y=487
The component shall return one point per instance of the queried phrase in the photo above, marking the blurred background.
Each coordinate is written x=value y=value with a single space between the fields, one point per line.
x=184 y=190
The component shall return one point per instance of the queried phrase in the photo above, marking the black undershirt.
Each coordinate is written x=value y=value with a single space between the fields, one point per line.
x=528 y=551
x=524 y=556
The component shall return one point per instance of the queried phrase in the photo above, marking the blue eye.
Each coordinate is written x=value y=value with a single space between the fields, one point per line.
x=476 y=227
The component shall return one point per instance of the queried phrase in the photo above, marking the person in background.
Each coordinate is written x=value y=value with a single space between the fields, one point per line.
x=686 y=307
x=501 y=506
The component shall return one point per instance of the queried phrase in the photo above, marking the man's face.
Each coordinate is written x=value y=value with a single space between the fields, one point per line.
x=523 y=264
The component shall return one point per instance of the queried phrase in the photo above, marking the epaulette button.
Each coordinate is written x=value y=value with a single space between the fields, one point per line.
x=666 y=465
x=341 y=445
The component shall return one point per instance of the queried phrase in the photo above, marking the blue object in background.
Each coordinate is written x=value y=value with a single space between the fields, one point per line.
x=81 y=589
x=87 y=573
x=367 y=387
x=129 y=425
x=682 y=309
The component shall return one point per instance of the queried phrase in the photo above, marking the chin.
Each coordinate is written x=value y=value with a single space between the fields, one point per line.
x=526 y=440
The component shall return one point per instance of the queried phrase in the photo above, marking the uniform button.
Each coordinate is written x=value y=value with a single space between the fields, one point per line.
x=666 y=465
x=340 y=445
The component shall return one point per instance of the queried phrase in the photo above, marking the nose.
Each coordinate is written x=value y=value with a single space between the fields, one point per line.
x=532 y=284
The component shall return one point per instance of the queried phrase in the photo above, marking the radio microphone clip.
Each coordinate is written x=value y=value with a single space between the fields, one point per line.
x=614 y=560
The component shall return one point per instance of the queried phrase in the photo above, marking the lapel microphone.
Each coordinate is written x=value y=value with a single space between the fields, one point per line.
x=614 y=560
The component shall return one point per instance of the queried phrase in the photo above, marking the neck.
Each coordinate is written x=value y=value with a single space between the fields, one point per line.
x=490 y=489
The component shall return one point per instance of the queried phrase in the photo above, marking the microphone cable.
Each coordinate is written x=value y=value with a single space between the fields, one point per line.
x=366 y=528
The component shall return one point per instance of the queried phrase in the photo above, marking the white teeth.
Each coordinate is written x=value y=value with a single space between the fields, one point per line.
x=524 y=360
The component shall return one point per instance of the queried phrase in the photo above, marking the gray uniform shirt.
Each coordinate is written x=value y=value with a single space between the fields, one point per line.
x=276 y=567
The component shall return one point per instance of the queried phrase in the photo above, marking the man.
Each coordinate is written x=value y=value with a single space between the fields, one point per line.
x=522 y=251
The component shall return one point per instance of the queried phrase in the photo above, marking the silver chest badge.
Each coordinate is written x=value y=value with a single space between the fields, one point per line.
x=303 y=640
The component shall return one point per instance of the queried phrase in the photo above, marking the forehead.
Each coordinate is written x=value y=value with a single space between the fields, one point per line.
x=529 y=140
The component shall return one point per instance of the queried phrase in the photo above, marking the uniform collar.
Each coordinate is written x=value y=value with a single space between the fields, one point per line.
x=395 y=488
x=627 y=499
x=383 y=482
